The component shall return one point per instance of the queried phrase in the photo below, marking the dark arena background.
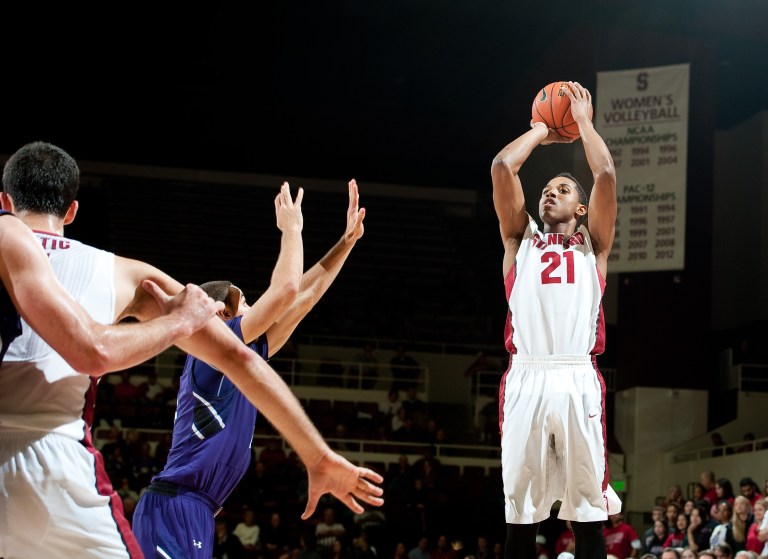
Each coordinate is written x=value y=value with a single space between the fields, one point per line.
x=186 y=120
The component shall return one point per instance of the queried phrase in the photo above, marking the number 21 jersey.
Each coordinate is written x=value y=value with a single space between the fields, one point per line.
x=554 y=291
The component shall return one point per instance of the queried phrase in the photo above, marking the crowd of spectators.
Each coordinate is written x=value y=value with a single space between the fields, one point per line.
x=430 y=509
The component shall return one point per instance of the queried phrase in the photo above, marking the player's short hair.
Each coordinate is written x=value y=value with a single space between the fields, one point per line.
x=221 y=291
x=41 y=178
x=217 y=290
x=582 y=195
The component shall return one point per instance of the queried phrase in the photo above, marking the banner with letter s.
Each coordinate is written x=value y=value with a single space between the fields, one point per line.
x=642 y=115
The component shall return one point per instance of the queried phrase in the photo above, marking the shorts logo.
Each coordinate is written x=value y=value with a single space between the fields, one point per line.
x=592 y=415
x=197 y=544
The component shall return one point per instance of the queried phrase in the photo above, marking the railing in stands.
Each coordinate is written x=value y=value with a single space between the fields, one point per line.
x=715 y=451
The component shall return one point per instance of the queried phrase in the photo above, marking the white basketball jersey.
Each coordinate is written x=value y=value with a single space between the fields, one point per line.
x=554 y=294
x=39 y=391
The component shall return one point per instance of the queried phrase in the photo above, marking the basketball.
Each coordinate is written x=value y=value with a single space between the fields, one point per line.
x=553 y=107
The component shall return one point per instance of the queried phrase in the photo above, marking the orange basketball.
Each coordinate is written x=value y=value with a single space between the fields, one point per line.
x=553 y=107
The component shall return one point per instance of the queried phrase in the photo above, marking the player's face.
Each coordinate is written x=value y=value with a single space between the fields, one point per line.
x=242 y=306
x=559 y=201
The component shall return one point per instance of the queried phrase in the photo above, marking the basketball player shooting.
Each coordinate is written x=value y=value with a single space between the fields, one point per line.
x=551 y=397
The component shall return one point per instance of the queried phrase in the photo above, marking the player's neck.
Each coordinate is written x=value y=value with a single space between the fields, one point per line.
x=46 y=223
x=566 y=228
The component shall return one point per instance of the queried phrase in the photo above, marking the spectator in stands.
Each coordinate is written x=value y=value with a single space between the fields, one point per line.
x=145 y=465
x=338 y=550
x=482 y=550
x=707 y=554
x=407 y=433
x=390 y=411
x=397 y=421
x=670 y=553
x=724 y=492
x=676 y=537
x=274 y=538
x=657 y=515
x=707 y=479
x=400 y=552
x=753 y=542
x=327 y=531
x=417 y=506
x=421 y=551
x=257 y=488
x=620 y=538
x=741 y=521
x=699 y=491
x=688 y=553
x=672 y=510
x=416 y=408
x=722 y=550
x=442 y=550
x=272 y=455
x=674 y=495
x=125 y=397
x=404 y=369
x=750 y=490
x=485 y=383
x=307 y=547
x=398 y=480
x=700 y=527
x=105 y=401
x=364 y=373
x=541 y=547
x=723 y=532
x=248 y=532
x=720 y=445
x=150 y=390
x=125 y=490
x=749 y=443
x=489 y=419
x=225 y=545
x=688 y=507
x=362 y=548
x=566 y=540
x=654 y=544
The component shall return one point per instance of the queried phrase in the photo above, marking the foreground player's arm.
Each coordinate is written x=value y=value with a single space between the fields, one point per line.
x=89 y=347
x=602 y=200
x=316 y=281
x=508 y=197
x=217 y=345
x=286 y=276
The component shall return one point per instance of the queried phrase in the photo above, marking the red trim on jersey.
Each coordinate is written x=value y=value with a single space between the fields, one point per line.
x=509 y=283
x=46 y=233
x=103 y=485
x=599 y=346
x=603 y=422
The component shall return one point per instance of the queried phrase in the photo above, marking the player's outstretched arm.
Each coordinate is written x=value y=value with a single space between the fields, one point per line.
x=286 y=277
x=602 y=200
x=217 y=345
x=89 y=347
x=316 y=281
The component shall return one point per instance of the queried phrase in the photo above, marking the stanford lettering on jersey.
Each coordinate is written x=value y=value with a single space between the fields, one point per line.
x=557 y=239
x=50 y=244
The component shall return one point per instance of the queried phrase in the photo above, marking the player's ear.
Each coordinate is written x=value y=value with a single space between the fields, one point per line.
x=581 y=210
x=69 y=217
x=5 y=202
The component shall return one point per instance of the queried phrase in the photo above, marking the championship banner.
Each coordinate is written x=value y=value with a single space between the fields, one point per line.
x=643 y=116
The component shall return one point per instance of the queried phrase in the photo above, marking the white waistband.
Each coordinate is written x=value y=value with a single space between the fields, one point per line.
x=553 y=359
